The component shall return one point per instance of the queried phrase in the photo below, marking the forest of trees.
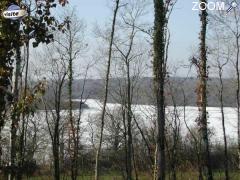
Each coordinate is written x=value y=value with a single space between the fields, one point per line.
x=135 y=130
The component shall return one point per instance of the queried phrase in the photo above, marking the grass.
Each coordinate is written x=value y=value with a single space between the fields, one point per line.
x=180 y=176
x=217 y=176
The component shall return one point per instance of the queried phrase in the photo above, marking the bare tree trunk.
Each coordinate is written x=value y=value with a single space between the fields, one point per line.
x=56 y=153
x=202 y=101
x=155 y=167
x=145 y=140
x=56 y=134
x=220 y=96
x=134 y=163
x=176 y=134
x=106 y=90
x=128 y=99
x=220 y=69
x=72 y=131
x=55 y=131
x=79 y=122
x=129 y=123
x=237 y=96
x=228 y=24
x=159 y=78
x=23 y=129
x=197 y=143
x=15 y=114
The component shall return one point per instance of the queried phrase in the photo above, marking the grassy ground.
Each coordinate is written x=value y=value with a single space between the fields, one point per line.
x=180 y=176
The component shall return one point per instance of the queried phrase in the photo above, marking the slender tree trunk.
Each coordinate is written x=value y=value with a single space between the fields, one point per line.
x=79 y=122
x=55 y=136
x=72 y=133
x=237 y=96
x=203 y=91
x=23 y=128
x=223 y=126
x=155 y=167
x=159 y=78
x=106 y=90
x=125 y=134
x=61 y=150
x=134 y=163
x=145 y=141
x=197 y=143
x=56 y=152
x=176 y=133
x=199 y=162
x=175 y=142
x=15 y=114
x=129 y=125
x=72 y=144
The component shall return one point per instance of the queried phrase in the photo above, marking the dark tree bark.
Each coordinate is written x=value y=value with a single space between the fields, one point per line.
x=56 y=131
x=15 y=114
x=159 y=78
x=202 y=92
x=7 y=38
x=237 y=36
x=72 y=132
x=54 y=126
x=127 y=98
x=175 y=133
x=129 y=122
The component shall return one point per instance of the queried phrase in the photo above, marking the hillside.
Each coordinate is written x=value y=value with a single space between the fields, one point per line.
x=143 y=91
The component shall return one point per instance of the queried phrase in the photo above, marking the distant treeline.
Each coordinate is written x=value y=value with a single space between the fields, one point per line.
x=94 y=90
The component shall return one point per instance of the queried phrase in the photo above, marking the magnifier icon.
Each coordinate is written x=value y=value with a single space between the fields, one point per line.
x=233 y=5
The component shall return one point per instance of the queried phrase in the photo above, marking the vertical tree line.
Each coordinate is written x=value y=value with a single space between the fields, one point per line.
x=11 y=43
x=202 y=91
x=159 y=80
x=119 y=140
x=106 y=88
x=8 y=46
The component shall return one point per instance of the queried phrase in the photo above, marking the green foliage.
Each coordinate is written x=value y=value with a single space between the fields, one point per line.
x=8 y=41
x=40 y=22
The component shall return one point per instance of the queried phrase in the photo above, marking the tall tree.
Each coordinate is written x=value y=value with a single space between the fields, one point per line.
x=163 y=9
x=57 y=68
x=128 y=68
x=159 y=78
x=8 y=37
x=11 y=39
x=71 y=45
x=221 y=98
x=202 y=90
x=106 y=89
x=221 y=55
x=231 y=26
